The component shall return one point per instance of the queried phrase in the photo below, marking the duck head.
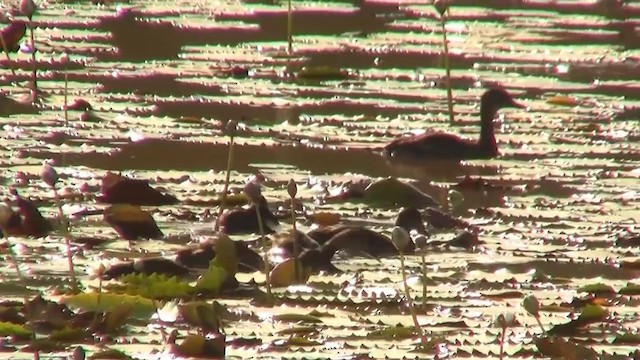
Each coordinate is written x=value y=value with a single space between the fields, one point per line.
x=495 y=99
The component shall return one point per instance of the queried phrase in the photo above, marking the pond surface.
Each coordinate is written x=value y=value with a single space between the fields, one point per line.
x=164 y=78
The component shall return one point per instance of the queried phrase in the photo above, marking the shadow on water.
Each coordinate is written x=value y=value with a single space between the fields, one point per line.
x=138 y=37
x=165 y=155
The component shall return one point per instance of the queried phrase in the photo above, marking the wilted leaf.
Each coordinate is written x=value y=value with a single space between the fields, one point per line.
x=12 y=34
x=131 y=222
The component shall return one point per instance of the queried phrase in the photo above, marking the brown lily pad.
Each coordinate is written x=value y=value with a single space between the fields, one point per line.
x=131 y=222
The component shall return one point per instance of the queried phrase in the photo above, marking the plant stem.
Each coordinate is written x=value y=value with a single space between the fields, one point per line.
x=540 y=324
x=223 y=199
x=6 y=53
x=35 y=65
x=265 y=257
x=67 y=239
x=424 y=281
x=289 y=28
x=296 y=249
x=407 y=294
x=12 y=254
x=504 y=332
x=447 y=66
x=66 y=111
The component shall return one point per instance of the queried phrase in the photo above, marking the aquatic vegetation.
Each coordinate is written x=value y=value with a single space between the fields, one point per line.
x=148 y=93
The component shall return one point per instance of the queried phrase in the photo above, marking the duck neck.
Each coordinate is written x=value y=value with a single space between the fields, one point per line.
x=487 y=135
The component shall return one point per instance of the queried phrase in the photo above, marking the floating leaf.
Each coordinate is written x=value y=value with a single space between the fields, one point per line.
x=142 y=307
x=200 y=346
x=211 y=281
x=12 y=34
x=111 y=321
x=627 y=338
x=206 y=316
x=393 y=333
x=593 y=313
x=598 y=289
x=284 y=274
x=291 y=317
x=393 y=192
x=153 y=286
x=563 y=100
x=630 y=289
x=131 y=222
x=69 y=335
x=226 y=254
x=10 y=329
x=109 y=354
x=322 y=73
x=324 y=218
x=557 y=347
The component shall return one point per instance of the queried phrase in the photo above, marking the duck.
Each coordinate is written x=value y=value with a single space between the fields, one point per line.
x=245 y=220
x=354 y=239
x=453 y=147
x=200 y=255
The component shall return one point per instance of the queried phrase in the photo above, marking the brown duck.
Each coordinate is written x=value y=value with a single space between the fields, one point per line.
x=452 y=147
x=245 y=220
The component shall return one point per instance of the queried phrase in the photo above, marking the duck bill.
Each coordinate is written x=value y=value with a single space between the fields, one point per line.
x=517 y=105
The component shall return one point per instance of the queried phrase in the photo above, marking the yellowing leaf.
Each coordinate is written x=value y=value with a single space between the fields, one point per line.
x=393 y=192
x=11 y=329
x=325 y=218
x=142 y=307
x=563 y=100
x=152 y=286
x=212 y=279
x=283 y=274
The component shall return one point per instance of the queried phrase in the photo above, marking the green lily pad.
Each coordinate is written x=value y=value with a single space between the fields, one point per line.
x=142 y=307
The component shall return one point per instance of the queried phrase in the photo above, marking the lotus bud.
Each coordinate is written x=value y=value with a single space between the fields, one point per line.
x=400 y=238
x=292 y=188
x=441 y=6
x=532 y=305
x=28 y=8
x=49 y=175
x=253 y=192
x=506 y=320
x=78 y=353
x=232 y=128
